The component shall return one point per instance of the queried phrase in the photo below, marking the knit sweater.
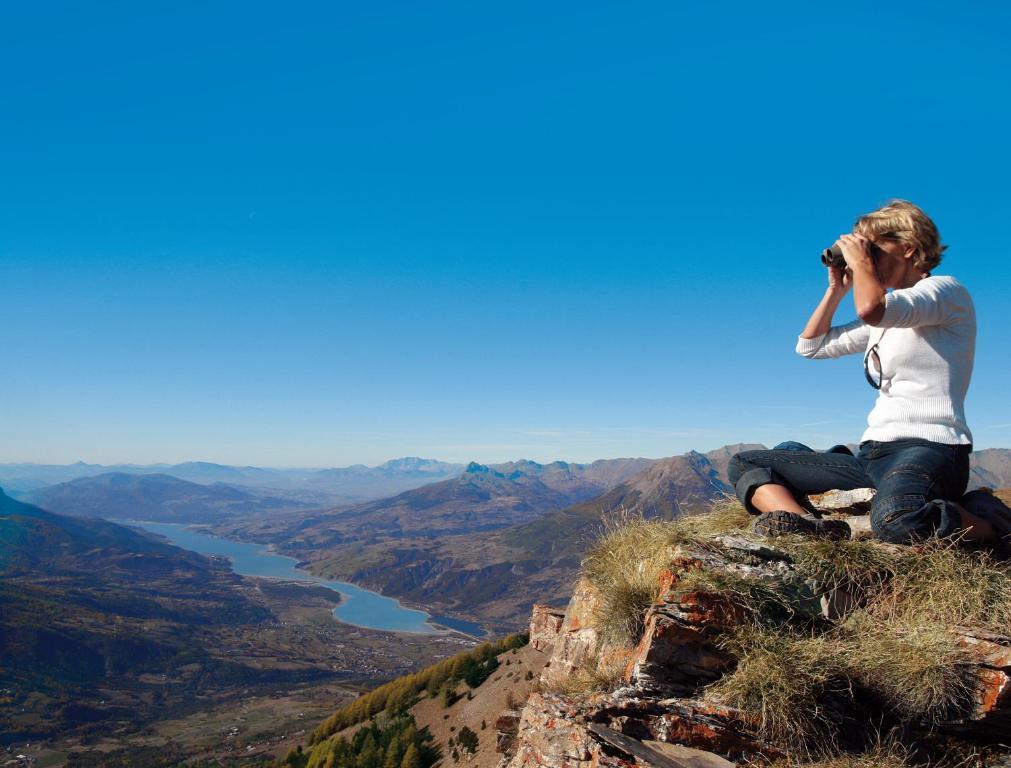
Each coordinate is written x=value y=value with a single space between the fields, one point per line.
x=926 y=342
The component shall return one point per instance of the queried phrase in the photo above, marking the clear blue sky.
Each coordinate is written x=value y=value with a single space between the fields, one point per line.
x=323 y=233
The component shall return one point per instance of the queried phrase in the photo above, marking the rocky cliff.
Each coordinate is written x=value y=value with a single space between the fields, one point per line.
x=696 y=644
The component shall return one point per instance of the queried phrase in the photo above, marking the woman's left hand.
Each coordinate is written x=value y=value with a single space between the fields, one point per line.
x=856 y=250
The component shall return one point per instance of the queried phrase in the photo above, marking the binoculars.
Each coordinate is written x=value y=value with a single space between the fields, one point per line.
x=832 y=257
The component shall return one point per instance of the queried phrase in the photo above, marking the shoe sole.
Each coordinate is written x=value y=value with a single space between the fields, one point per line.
x=783 y=523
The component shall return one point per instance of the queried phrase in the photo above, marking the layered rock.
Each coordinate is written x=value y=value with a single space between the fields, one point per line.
x=615 y=729
x=545 y=626
x=657 y=715
x=575 y=647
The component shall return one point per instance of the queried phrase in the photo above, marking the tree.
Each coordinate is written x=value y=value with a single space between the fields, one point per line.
x=411 y=758
x=448 y=696
x=467 y=740
x=394 y=754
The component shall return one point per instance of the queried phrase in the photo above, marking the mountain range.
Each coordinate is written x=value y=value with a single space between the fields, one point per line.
x=157 y=497
x=322 y=487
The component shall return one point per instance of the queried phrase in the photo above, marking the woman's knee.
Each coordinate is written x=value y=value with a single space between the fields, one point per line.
x=737 y=467
x=745 y=461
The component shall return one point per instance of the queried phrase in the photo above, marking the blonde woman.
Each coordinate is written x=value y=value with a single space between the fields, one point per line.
x=917 y=335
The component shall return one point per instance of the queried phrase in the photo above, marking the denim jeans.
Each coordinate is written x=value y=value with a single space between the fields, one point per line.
x=916 y=481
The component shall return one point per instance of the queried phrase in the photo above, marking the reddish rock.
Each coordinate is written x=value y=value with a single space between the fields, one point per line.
x=991 y=714
x=676 y=654
x=506 y=727
x=545 y=626
x=575 y=649
x=551 y=734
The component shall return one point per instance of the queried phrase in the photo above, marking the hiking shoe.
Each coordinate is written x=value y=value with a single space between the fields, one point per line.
x=783 y=523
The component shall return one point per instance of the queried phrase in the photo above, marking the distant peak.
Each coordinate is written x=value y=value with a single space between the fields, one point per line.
x=474 y=467
x=411 y=463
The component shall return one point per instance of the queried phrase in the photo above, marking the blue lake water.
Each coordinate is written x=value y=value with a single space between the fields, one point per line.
x=358 y=606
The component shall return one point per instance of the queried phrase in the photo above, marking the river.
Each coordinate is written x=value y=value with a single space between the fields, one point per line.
x=360 y=607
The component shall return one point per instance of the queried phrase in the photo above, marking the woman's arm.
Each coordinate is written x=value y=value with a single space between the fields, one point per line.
x=820 y=339
x=818 y=324
x=868 y=292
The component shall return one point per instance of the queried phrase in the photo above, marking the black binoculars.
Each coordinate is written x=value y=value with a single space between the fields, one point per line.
x=832 y=257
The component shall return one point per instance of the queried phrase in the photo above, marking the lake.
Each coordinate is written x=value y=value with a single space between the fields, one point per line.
x=360 y=607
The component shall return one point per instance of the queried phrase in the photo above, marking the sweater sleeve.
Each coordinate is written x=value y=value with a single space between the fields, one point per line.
x=840 y=340
x=932 y=301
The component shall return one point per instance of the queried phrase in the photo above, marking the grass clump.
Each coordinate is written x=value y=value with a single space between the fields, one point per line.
x=861 y=567
x=916 y=667
x=764 y=601
x=631 y=552
x=725 y=515
x=603 y=678
x=880 y=756
x=791 y=683
x=625 y=567
x=941 y=584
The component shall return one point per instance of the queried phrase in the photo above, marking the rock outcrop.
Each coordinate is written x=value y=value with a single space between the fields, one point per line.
x=651 y=708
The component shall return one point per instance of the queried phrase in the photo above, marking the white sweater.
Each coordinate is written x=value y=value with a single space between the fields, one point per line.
x=926 y=341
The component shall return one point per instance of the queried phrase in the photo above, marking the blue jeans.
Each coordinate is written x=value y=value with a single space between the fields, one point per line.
x=916 y=481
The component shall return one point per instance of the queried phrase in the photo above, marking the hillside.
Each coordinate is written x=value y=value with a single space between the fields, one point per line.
x=157 y=497
x=87 y=602
x=111 y=635
x=495 y=576
x=447 y=711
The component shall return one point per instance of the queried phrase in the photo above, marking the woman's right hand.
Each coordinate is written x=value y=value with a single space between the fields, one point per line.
x=840 y=279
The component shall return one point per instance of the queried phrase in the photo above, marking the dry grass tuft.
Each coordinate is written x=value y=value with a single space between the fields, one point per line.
x=625 y=567
x=879 y=757
x=586 y=681
x=790 y=683
x=859 y=567
x=884 y=754
x=765 y=601
x=916 y=667
x=941 y=584
x=630 y=553
x=725 y=515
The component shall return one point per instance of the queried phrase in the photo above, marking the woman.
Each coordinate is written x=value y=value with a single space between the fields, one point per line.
x=918 y=342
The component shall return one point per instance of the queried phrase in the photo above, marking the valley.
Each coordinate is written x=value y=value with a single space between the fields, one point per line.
x=115 y=644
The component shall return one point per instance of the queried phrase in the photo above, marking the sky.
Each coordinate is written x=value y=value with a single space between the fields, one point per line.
x=317 y=234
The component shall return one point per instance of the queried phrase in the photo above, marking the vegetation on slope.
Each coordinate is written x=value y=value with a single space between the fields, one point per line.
x=471 y=667
x=387 y=742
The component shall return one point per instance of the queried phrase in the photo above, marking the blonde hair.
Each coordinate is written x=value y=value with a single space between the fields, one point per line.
x=901 y=220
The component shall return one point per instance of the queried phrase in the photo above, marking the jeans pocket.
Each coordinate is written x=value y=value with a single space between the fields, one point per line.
x=899 y=505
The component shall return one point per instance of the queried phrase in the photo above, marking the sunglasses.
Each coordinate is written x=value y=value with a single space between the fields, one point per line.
x=873 y=352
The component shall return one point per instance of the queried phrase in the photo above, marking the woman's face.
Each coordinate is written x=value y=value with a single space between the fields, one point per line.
x=893 y=262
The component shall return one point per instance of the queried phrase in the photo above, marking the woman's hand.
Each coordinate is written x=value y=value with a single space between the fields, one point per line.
x=856 y=250
x=840 y=280
x=868 y=291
